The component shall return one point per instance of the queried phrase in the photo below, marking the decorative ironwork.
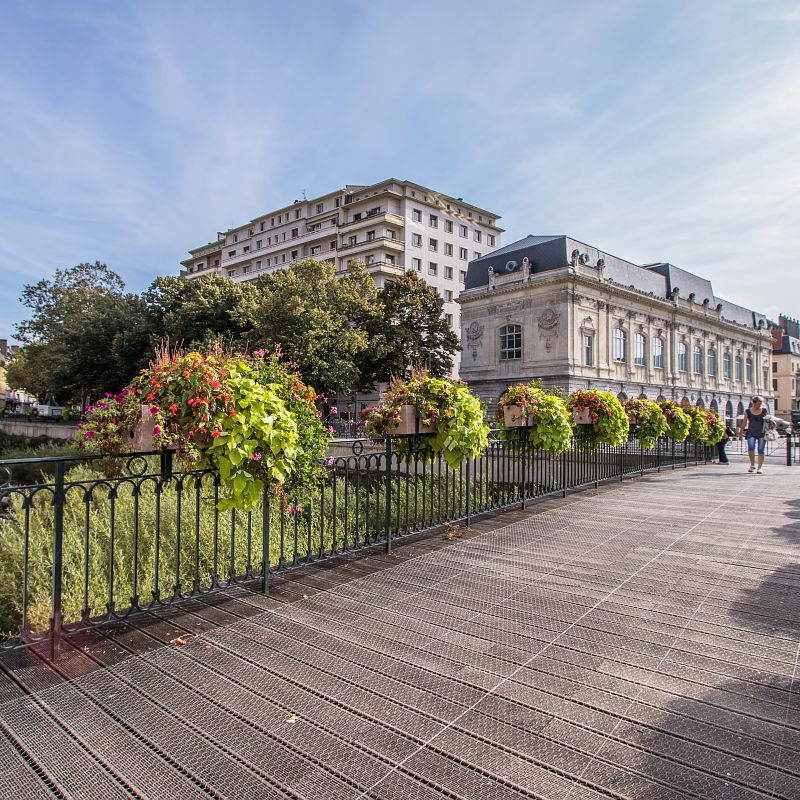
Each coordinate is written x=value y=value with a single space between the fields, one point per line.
x=97 y=538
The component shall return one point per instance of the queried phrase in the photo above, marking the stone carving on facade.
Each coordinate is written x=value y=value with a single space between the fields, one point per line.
x=548 y=322
x=474 y=336
x=491 y=278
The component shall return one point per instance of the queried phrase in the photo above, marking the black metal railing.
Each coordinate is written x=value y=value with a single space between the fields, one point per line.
x=98 y=538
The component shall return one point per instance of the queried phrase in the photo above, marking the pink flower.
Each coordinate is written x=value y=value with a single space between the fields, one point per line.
x=255 y=457
x=156 y=430
x=334 y=410
x=90 y=434
x=329 y=462
x=330 y=430
x=154 y=409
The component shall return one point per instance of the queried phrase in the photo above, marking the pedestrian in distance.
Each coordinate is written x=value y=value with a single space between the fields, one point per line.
x=754 y=429
x=730 y=433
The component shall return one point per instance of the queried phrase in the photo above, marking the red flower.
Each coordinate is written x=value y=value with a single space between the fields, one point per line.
x=215 y=434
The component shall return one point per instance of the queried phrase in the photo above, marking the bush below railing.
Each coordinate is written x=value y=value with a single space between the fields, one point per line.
x=99 y=538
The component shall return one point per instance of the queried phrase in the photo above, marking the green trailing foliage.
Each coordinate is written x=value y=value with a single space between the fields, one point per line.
x=460 y=429
x=678 y=422
x=549 y=424
x=609 y=422
x=646 y=419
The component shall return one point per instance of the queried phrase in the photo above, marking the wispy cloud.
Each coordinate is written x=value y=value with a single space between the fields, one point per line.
x=134 y=131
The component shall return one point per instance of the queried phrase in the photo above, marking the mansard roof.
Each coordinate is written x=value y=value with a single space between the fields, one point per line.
x=548 y=253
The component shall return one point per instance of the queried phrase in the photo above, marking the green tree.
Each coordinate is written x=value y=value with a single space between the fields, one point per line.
x=193 y=313
x=319 y=320
x=408 y=330
x=84 y=336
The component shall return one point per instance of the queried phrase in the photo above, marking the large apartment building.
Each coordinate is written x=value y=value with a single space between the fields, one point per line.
x=391 y=226
x=786 y=368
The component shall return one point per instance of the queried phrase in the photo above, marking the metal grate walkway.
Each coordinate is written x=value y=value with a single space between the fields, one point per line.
x=639 y=641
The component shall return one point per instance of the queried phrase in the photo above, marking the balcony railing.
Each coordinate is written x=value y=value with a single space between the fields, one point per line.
x=92 y=539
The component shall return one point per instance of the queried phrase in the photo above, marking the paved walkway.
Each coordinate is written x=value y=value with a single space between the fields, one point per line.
x=640 y=641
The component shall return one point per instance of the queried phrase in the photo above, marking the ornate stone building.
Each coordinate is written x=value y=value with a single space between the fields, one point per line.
x=786 y=368
x=555 y=309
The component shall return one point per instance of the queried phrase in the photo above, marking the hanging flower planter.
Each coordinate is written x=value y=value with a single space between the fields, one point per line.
x=607 y=422
x=515 y=417
x=582 y=416
x=410 y=423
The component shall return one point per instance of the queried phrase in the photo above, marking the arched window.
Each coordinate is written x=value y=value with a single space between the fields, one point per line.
x=697 y=352
x=638 y=342
x=682 y=365
x=749 y=369
x=712 y=362
x=658 y=353
x=726 y=365
x=729 y=412
x=619 y=345
x=712 y=406
x=510 y=342
x=700 y=403
x=622 y=397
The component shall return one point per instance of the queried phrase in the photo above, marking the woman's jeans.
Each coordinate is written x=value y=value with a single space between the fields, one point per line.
x=751 y=444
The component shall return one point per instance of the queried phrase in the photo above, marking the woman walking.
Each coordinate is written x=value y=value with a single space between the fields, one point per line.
x=753 y=427
x=722 y=444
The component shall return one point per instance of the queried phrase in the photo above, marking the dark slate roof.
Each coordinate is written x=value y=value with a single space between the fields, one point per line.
x=789 y=344
x=547 y=253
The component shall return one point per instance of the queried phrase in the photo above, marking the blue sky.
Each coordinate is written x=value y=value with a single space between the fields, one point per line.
x=132 y=131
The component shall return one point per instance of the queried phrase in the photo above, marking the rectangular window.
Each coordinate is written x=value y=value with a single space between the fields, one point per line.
x=462 y=230
x=476 y=235
x=246 y=248
x=416 y=240
x=333 y=245
x=697 y=353
x=748 y=365
x=433 y=245
x=638 y=357
x=510 y=342
x=619 y=345
x=726 y=365
x=250 y=232
x=389 y=259
x=416 y=215
x=261 y=227
x=588 y=349
x=462 y=253
x=433 y=268
x=245 y=269
x=658 y=353
x=231 y=253
x=448 y=295
x=448 y=249
x=416 y=263
x=296 y=213
x=373 y=212
x=235 y=237
x=712 y=362
x=448 y=226
x=259 y=265
x=738 y=365
x=320 y=208
x=231 y=273
x=316 y=249
x=448 y=318
x=448 y=272
x=295 y=233
x=283 y=258
x=490 y=239
x=433 y=221
x=462 y=276
x=295 y=253
x=370 y=236
x=338 y=202
x=352 y=240
x=259 y=243
x=476 y=254
x=370 y=260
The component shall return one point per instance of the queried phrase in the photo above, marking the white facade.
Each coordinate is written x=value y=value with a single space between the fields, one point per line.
x=556 y=310
x=391 y=226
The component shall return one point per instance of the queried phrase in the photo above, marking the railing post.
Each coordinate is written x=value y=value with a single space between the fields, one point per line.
x=57 y=618
x=564 y=473
x=468 y=493
x=265 y=541
x=523 y=461
x=387 y=522
x=789 y=449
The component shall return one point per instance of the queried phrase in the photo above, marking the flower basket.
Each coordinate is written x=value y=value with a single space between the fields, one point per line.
x=582 y=416
x=409 y=423
x=515 y=417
